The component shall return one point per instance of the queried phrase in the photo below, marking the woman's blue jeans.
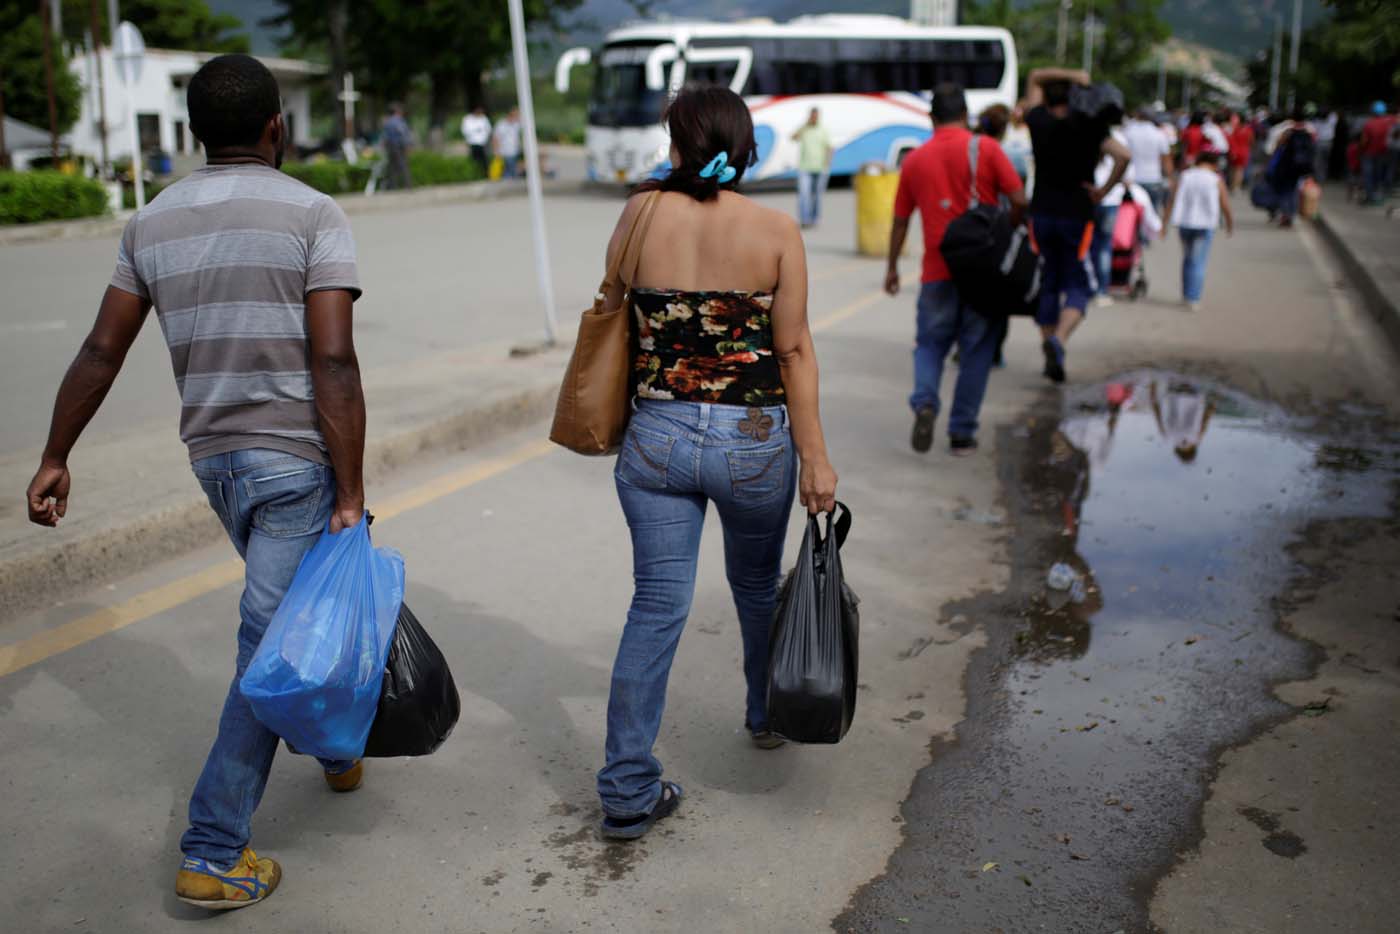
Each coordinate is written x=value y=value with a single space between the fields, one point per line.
x=1101 y=247
x=1195 y=250
x=274 y=507
x=677 y=458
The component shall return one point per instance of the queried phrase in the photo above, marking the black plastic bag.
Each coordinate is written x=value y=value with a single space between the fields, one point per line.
x=812 y=655
x=418 y=705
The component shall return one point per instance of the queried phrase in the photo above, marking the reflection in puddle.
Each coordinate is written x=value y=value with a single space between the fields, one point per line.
x=1170 y=503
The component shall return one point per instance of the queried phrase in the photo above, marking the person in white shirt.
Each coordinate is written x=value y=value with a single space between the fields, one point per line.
x=1198 y=202
x=1105 y=217
x=505 y=140
x=1215 y=137
x=476 y=130
x=1152 y=156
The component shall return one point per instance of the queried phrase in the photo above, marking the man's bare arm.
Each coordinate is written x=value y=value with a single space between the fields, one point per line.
x=899 y=230
x=84 y=386
x=340 y=401
x=1039 y=77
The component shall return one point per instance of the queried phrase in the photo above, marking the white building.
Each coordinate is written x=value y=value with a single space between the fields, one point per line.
x=159 y=102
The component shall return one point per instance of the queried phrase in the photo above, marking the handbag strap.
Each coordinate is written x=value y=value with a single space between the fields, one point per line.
x=630 y=254
x=972 y=170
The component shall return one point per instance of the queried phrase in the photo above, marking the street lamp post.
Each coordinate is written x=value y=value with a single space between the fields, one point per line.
x=129 y=50
x=1277 y=65
x=532 y=168
x=1293 y=53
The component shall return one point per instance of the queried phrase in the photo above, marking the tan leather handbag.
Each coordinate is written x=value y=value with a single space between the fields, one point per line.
x=595 y=398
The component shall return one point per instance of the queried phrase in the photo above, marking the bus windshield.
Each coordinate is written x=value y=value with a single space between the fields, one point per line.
x=620 y=93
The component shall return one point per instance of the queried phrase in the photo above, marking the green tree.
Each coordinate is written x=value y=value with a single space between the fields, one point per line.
x=1130 y=30
x=164 y=24
x=22 y=70
x=1346 y=61
x=393 y=47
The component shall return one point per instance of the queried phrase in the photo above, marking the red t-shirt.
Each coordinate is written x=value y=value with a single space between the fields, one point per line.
x=1193 y=139
x=934 y=181
x=1374 y=134
x=1241 y=142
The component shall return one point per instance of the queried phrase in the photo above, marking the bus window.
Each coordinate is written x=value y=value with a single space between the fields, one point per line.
x=620 y=93
x=721 y=73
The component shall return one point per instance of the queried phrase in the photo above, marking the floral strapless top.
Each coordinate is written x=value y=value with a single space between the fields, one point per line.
x=706 y=347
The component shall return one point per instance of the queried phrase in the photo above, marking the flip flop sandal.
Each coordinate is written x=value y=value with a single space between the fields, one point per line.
x=630 y=828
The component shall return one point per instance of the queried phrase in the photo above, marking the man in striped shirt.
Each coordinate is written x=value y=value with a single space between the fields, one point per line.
x=253 y=276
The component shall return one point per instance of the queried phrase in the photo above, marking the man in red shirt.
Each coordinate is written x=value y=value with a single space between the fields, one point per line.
x=936 y=180
x=1375 y=155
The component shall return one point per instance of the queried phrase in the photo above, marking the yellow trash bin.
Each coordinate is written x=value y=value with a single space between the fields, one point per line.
x=875 y=186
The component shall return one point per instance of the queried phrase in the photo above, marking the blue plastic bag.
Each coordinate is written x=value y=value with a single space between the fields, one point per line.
x=316 y=676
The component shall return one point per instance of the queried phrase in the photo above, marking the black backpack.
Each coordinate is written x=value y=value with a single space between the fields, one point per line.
x=1295 y=158
x=994 y=265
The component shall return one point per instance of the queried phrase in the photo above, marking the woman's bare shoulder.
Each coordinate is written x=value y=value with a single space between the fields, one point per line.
x=771 y=221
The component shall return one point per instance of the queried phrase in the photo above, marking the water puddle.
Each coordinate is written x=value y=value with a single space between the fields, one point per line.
x=1152 y=519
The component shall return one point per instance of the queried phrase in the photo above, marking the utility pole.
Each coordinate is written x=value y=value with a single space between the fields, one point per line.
x=1293 y=53
x=1277 y=66
x=1186 y=91
x=101 y=84
x=1162 y=76
x=1090 y=25
x=532 y=167
x=1062 y=33
x=4 y=153
x=48 y=18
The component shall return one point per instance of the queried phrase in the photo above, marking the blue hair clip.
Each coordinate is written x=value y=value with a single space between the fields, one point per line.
x=719 y=166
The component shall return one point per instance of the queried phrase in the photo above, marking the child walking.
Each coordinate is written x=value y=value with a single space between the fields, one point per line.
x=1198 y=201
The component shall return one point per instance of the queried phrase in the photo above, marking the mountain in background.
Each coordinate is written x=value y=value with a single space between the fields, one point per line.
x=1239 y=27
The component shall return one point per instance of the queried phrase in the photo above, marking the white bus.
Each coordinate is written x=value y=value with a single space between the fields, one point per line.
x=871 y=76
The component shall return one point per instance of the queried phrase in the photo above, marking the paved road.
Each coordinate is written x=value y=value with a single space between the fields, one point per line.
x=517 y=565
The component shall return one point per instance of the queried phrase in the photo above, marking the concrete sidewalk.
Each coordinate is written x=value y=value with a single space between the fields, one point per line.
x=140 y=505
x=1367 y=240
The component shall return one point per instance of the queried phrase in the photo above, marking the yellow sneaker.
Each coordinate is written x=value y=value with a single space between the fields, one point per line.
x=348 y=780
x=250 y=880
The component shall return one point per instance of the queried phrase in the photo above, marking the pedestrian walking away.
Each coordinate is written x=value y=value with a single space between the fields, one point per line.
x=725 y=406
x=1105 y=218
x=814 y=153
x=1199 y=202
x=1150 y=156
x=1377 y=160
x=476 y=130
x=506 y=142
x=397 y=138
x=937 y=181
x=253 y=276
x=1241 y=147
x=1291 y=151
x=1068 y=145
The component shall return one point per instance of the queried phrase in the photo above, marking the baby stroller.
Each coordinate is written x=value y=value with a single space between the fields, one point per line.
x=1127 y=275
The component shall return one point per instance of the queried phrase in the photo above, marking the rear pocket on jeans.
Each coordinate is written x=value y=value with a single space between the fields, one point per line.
x=757 y=476
x=645 y=457
x=287 y=504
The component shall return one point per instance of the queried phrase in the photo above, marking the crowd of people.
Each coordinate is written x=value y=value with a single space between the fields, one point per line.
x=1095 y=187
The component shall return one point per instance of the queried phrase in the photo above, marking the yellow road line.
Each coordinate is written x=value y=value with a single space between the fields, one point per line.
x=44 y=645
x=847 y=311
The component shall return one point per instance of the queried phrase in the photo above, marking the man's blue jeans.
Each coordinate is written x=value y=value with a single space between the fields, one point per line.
x=810 y=186
x=943 y=321
x=274 y=507
x=1375 y=175
x=678 y=457
x=1101 y=247
x=1195 y=250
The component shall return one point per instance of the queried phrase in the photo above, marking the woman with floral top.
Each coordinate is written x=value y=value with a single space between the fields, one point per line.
x=725 y=411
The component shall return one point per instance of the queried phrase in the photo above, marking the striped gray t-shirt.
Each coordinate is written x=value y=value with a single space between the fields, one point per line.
x=227 y=257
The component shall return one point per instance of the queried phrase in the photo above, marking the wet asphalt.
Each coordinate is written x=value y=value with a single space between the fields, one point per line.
x=1098 y=710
